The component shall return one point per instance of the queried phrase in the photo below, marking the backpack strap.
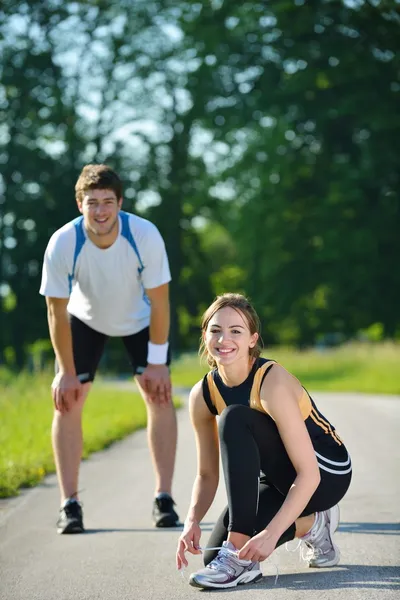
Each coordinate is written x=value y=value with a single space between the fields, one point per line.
x=127 y=234
x=80 y=239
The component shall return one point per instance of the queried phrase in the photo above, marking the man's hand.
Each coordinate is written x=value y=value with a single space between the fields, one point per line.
x=156 y=382
x=65 y=389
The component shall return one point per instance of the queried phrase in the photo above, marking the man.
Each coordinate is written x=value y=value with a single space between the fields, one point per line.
x=106 y=274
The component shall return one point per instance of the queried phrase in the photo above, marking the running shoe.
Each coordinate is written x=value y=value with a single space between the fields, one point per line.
x=164 y=514
x=323 y=552
x=70 y=519
x=226 y=570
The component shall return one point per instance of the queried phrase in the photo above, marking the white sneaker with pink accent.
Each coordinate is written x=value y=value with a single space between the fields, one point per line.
x=323 y=552
x=226 y=570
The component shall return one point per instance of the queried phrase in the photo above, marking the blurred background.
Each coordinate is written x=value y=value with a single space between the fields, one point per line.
x=262 y=138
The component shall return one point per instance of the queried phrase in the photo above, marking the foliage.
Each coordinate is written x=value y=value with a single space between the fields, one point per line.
x=303 y=105
x=354 y=367
x=263 y=140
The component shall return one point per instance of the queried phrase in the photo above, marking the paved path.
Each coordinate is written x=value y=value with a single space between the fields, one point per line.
x=122 y=557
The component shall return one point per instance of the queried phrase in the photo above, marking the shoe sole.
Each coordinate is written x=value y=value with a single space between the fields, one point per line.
x=70 y=529
x=331 y=563
x=242 y=580
x=333 y=526
x=166 y=522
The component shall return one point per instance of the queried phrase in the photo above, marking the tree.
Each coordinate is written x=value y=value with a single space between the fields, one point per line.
x=304 y=98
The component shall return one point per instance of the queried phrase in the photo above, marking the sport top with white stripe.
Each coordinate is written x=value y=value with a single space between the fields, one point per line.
x=106 y=287
x=217 y=396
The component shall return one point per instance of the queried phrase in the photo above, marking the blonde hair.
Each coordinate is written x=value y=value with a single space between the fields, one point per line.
x=242 y=305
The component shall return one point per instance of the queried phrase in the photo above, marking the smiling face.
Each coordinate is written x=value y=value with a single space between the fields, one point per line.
x=228 y=337
x=100 y=210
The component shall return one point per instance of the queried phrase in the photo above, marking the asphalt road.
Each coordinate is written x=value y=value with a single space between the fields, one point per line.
x=122 y=556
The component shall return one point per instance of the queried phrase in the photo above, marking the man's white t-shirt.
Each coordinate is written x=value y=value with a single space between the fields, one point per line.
x=106 y=287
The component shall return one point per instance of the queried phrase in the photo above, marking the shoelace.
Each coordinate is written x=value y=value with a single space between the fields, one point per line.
x=70 y=510
x=73 y=496
x=305 y=554
x=228 y=551
x=219 y=562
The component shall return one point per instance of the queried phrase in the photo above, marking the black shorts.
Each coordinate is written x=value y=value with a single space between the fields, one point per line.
x=88 y=346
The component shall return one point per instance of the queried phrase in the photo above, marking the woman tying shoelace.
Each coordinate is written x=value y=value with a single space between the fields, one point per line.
x=285 y=467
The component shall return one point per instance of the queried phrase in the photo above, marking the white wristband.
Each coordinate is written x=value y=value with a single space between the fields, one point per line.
x=157 y=353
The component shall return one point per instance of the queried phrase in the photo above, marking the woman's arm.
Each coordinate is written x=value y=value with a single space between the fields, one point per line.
x=206 y=434
x=206 y=482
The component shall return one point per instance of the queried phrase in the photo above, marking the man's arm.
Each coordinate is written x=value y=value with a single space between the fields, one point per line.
x=156 y=378
x=60 y=333
x=66 y=387
x=160 y=314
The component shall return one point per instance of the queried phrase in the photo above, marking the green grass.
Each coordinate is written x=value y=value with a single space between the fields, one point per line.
x=25 y=422
x=369 y=368
x=187 y=370
x=111 y=413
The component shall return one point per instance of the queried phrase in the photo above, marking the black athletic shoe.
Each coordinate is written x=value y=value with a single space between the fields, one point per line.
x=163 y=512
x=71 y=518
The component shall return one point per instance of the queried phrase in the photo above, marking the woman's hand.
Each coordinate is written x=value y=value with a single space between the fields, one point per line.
x=259 y=547
x=189 y=541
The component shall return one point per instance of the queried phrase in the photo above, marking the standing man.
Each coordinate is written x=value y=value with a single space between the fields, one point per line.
x=106 y=273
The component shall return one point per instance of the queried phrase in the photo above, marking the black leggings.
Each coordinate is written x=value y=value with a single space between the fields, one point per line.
x=250 y=443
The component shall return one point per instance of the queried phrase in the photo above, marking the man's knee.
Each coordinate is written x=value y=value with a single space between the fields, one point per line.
x=74 y=411
x=155 y=409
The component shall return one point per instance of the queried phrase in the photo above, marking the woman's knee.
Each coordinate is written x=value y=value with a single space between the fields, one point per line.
x=232 y=419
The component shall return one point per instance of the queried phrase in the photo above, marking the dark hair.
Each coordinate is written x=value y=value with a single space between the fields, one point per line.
x=97 y=177
x=242 y=305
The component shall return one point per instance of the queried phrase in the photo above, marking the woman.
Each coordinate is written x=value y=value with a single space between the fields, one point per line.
x=284 y=465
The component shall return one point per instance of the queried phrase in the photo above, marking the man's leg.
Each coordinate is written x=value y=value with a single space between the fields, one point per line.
x=67 y=446
x=162 y=438
x=161 y=433
x=88 y=346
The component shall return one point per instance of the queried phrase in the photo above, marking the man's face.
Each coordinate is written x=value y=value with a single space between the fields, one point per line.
x=100 y=210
